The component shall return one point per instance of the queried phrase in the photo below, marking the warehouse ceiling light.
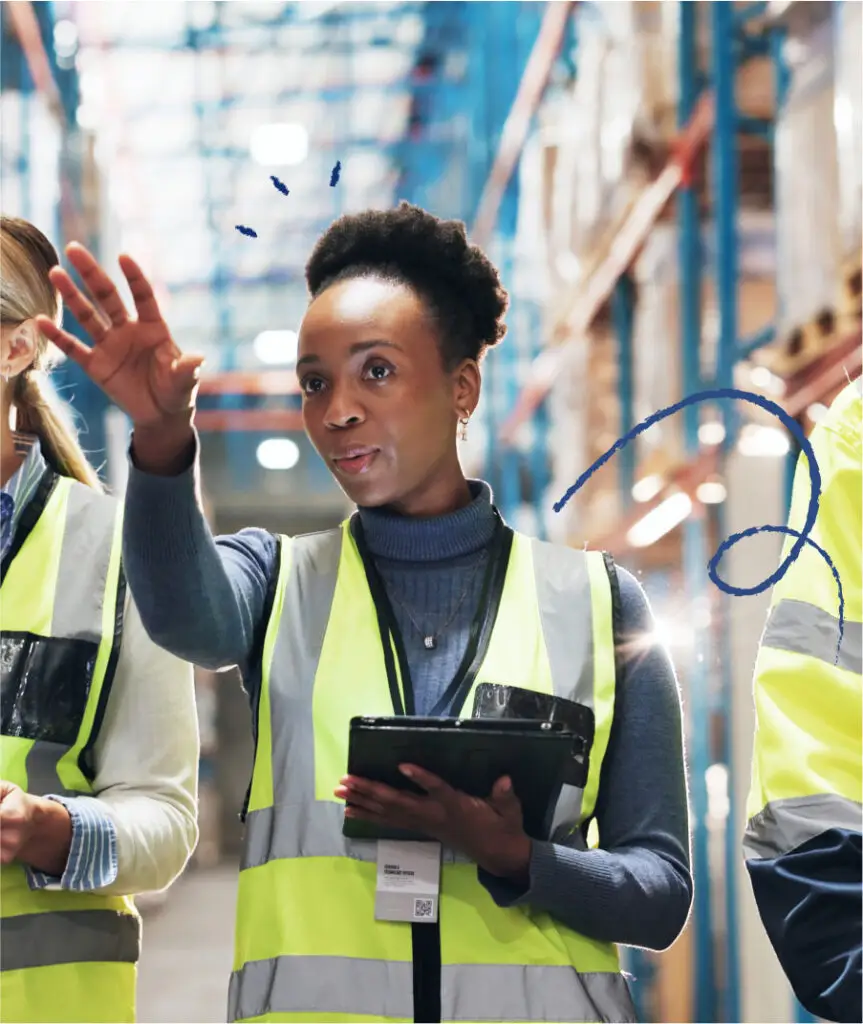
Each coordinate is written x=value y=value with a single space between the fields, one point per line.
x=649 y=487
x=279 y=145
x=711 y=491
x=766 y=381
x=278 y=453
x=277 y=347
x=659 y=521
x=711 y=433
x=763 y=442
x=65 y=38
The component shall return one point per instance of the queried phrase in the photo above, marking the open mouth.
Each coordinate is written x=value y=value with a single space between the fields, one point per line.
x=356 y=462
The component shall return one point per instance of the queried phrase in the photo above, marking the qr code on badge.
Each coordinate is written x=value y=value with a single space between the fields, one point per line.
x=423 y=909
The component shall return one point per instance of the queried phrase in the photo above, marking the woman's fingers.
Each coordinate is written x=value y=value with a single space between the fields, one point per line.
x=84 y=312
x=67 y=343
x=142 y=292
x=101 y=286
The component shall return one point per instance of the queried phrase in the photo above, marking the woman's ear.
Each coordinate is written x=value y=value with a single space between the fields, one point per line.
x=21 y=351
x=468 y=384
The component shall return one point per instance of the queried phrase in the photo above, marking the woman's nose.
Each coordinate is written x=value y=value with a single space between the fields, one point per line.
x=344 y=409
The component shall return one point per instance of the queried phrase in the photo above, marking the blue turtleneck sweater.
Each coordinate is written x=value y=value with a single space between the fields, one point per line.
x=202 y=598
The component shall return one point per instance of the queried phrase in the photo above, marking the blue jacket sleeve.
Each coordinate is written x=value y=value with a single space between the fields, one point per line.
x=810 y=904
x=200 y=597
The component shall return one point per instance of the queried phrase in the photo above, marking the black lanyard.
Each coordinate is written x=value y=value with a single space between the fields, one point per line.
x=392 y=644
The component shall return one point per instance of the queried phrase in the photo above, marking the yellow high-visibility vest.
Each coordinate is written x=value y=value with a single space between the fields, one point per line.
x=806 y=768
x=64 y=956
x=308 y=947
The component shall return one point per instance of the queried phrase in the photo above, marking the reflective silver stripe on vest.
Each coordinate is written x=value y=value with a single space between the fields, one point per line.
x=566 y=613
x=84 y=560
x=310 y=829
x=803 y=628
x=322 y=984
x=277 y=832
x=784 y=825
x=469 y=992
x=68 y=937
x=506 y=992
x=41 y=765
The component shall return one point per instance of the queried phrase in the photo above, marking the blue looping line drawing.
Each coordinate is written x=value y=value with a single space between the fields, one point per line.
x=336 y=173
x=247 y=231
x=788 y=532
x=280 y=185
x=723 y=394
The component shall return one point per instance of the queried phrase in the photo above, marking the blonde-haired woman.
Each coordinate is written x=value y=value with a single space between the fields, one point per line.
x=98 y=732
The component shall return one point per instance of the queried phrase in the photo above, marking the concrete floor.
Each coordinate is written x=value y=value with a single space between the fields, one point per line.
x=188 y=950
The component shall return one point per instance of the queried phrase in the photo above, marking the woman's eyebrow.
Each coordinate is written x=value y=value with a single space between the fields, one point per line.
x=358 y=346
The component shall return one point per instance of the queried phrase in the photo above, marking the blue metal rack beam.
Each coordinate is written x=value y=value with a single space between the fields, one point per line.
x=623 y=317
x=694 y=542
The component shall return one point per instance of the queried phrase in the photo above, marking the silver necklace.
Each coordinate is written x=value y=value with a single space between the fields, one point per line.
x=430 y=639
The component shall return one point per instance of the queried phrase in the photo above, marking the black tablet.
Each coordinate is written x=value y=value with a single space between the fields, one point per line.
x=471 y=755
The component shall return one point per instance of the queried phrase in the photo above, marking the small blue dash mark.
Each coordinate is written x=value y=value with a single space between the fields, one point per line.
x=247 y=231
x=334 y=177
x=280 y=185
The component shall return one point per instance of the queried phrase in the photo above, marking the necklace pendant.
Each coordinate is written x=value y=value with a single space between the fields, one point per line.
x=429 y=643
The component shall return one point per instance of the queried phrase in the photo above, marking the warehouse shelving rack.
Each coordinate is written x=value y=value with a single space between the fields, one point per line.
x=708 y=117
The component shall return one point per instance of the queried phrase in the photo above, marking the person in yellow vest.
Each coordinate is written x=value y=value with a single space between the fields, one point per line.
x=416 y=598
x=803 y=840
x=99 y=741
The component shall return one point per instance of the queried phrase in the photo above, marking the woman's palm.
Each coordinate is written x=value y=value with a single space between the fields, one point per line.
x=135 y=362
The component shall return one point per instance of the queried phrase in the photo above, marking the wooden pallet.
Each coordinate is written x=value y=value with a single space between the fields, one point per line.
x=800 y=347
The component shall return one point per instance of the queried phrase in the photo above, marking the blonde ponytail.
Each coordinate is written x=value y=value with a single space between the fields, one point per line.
x=36 y=415
x=26 y=291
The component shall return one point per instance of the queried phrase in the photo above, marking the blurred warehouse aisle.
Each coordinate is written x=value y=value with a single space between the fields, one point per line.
x=188 y=948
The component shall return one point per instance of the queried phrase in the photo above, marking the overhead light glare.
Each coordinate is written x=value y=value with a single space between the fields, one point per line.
x=659 y=521
x=647 y=488
x=278 y=453
x=279 y=145
x=711 y=433
x=276 y=348
x=758 y=441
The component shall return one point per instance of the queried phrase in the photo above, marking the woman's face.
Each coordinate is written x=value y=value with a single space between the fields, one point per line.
x=378 y=404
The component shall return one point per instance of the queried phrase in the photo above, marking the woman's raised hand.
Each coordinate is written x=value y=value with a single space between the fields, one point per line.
x=134 y=360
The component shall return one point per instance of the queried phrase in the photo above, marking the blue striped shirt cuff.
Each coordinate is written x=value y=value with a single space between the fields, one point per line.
x=92 y=862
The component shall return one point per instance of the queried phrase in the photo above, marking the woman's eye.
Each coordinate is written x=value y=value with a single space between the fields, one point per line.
x=311 y=385
x=378 y=372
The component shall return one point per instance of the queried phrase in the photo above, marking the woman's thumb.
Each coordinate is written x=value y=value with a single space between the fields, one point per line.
x=187 y=370
x=503 y=797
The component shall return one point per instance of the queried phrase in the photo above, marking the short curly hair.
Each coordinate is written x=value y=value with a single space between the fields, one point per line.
x=410 y=246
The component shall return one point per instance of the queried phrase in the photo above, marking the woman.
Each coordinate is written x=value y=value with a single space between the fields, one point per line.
x=401 y=311
x=99 y=745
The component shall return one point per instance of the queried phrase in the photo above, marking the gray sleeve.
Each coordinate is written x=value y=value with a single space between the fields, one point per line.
x=199 y=597
x=636 y=888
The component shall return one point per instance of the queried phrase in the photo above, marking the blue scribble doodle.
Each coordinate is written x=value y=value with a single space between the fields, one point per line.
x=334 y=177
x=280 y=185
x=247 y=231
x=811 y=514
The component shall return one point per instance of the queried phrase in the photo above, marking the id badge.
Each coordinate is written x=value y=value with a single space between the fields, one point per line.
x=408 y=886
